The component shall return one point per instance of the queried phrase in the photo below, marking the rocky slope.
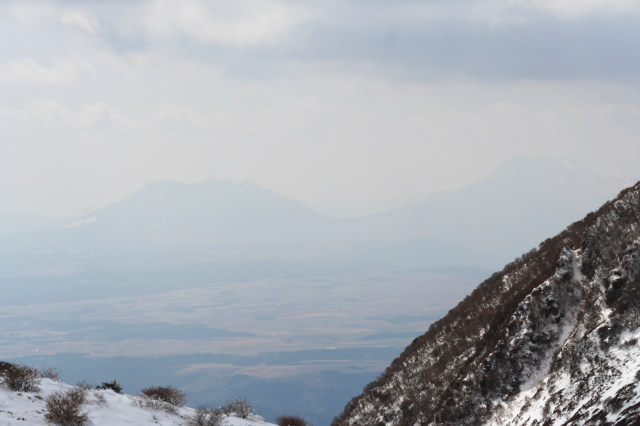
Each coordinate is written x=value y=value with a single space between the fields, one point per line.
x=551 y=339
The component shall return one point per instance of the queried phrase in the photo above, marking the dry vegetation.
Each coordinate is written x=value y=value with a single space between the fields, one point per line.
x=65 y=408
x=167 y=394
x=238 y=407
x=291 y=421
x=113 y=385
x=207 y=417
x=19 y=378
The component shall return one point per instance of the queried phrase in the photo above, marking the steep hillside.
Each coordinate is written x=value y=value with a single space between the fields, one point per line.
x=553 y=336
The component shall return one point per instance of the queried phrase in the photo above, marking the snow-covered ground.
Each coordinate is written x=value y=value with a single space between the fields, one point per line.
x=104 y=407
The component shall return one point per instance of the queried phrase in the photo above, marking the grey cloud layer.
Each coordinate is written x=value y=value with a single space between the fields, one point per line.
x=484 y=39
x=334 y=103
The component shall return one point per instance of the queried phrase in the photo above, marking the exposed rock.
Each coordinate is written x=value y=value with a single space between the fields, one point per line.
x=552 y=339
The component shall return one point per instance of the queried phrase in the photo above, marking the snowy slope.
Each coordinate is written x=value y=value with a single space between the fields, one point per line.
x=104 y=407
x=589 y=377
x=552 y=339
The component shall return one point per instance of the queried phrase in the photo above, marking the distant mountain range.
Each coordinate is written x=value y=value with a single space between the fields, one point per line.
x=509 y=211
x=184 y=234
x=503 y=214
x=211 y=213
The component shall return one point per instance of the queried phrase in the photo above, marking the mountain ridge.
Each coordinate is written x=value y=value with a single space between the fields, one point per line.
x=541 y=193
x=179 y=228
x=486 y=216
x=213 y=211
x=476 y=364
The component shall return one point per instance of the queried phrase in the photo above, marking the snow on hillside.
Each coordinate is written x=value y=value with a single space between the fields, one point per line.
x=551 y=339
x=104 y=407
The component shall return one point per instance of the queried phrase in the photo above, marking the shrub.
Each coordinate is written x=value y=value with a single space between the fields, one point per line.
x=86 y=385
x=238 y=407
x=50 y=373
x=77 y=394
x=154 y=404
x=19 y=378
x=114 y=385
x=64 y=408
x=291 y=421
x=206 y=417
x=167 y=394
x=99 y=396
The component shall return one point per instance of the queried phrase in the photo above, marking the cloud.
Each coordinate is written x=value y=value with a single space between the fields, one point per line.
x=238 y=23
x=28 y=71
x=534 y=39
x=408 y=39
x=383 y=94
x=580 y=8
x=51 y=115
x=184 y=118
x=29 y=13
x=79 y=19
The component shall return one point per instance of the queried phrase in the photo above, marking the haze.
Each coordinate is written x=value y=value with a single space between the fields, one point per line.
x=187 y=188
x=350 y=107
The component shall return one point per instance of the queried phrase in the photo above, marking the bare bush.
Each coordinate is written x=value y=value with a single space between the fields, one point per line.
x=19 y=378
x=168 y=394
x=207 y=417
x=291 y=421
x=238 y=407
x=99 y=396
x=85 y=384
x=50 y=373
x=65 y=408
x=78 y=394
x=154 y=404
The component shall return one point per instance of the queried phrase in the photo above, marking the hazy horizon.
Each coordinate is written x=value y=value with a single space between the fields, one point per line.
x=362 y=209
x=349 y=107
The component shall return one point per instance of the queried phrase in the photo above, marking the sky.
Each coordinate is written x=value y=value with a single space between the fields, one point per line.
x=351 y=107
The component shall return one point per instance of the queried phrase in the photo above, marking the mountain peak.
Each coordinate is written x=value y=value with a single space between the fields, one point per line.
x=213 y=212
x=546 y=170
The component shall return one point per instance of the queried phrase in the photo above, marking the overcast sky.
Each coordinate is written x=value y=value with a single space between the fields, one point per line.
x=348 y=106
